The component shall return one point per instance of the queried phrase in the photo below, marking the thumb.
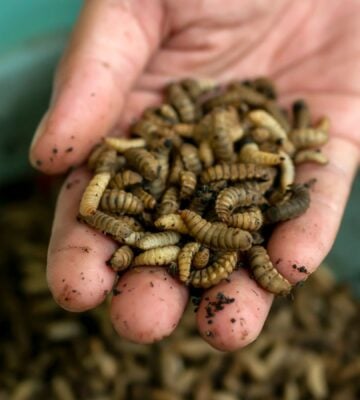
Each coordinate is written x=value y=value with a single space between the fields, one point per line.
x=109 y=48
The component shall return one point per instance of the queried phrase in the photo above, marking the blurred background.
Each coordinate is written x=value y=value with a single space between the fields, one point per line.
x=39 y=341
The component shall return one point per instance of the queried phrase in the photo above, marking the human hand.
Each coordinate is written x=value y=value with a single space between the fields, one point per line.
x=120 y=56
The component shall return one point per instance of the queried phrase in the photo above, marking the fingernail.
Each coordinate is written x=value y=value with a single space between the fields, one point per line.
x=37 y=135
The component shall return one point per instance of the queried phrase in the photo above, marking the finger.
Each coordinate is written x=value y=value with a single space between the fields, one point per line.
x=231 y=322
x=147 y=305
x=110 y=46
x=297 y=247
x=77 y=274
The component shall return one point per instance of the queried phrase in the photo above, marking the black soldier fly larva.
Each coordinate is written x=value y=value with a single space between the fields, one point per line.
x=203 y=179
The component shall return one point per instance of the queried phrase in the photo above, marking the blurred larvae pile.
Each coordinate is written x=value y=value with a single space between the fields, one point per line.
x=203 y=179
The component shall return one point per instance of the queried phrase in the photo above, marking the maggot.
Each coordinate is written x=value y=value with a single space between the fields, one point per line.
x=216 y=272
x=180 y=99
x=292 y=208
x=206 y=154
x=121 y=259
x=201 y=258
x=148 y=200
x=301 y=114
x=197 y=87
x=171 y=222
x=125 y=178
x=92 y=195
x=121 y=202
x=308 y=138
x=187 y=184
x=287 y=171
x=313 y=156
x=250 y=153
x=142 y=161
x=122 y=144
x=263 y=119
x=159 y=256
x=220 y=139
x=170 y=201
x=190 y=158
x=176 y=167
x=201 y=199
x=215 y=236
x=249 y=220
x=264 y=272
x=185 y=259
x=158 y=239
x=236 y=172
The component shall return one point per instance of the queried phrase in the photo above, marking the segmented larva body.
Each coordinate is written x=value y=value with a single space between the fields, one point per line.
x=91 y=198
x=121 y=259
x=122 y=144
x=133 y=238
x=106 y=161
x=148 y=200
x=202 y=129
x=171 y=222
x=265 y=274
x=201 y=200
x=147 y=128
x=185 y=259
x=176 y=167
x=308 y=138
x=216 y=272
x=264 y=86
x=120 y=201
x=124 y=179
x=107 y=224
x=206 y=154
x=190 y=157
x=197 y=87
x=235 y=172
x=168 y=113
x=159 y=239
x=170 y=201
x=295 y=206
x=215 y=236
x=201 y=258
x=250 y=220
x=301 y=115
x=94 y=155
x=287 y=171
x=278 y=114
x=232 y=197
x=184 y=130
x=263 y=119
x=187 y=184
x=260 y=135
x=182 y=102
x=220 y=140
x=143 y=161
x=133 y=223
x=313 y=156
x=159 y=256
x=250 y=153
x=158 y=185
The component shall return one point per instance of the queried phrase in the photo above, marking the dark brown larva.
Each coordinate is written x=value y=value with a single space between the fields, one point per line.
x=215 y=236
x=216 y=272
x=301 y=115
x=185 y=259
x=121 y=259
x=170 y=201
x=125 y=178
x=265 y=274
x=201 y=199
x=190 y=157
x=106 y=161
x=93 y=192
x=220 y=139
x=292 y=208
x=182 y=102
x=176 y=167
x=121 y=202
x=187 y=184
x=236 y=172
x=143 y=161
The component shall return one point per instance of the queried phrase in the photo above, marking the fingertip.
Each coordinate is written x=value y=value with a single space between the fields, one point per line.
x=147 y=304
x=232 y=314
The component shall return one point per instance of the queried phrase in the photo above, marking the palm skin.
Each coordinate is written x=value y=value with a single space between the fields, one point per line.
x=120 y=56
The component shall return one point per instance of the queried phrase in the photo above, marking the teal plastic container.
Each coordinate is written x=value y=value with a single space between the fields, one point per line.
x=33 y=34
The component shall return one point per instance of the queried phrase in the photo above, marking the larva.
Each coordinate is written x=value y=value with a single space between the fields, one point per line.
x=197 y=87
x=187 y=184
x=206 y=154
x=93 y=192
x=292 y=208
x=184 y=130
x=308 y=138
x=215 y=236
x=201 y=200
x=185 y=259
x=94 y=155
x=121 y=259
x=265 y=86
x=182 y=102
x=190 y=157
x=314 y=156
x=107 y=224
x=263 y=119
x=133 y=238
x=122 y=144
x=158 y=239
x=278 y=114
x=301 y=115
x=250 y=220
x=216 y=272
x=265 y=273
x=148 y=200
x=176 y=167
x=120 y=201
x=287 y=171
x=201 y=258
x=220 y=140
x=106 y=161
x=202 y=129
x=232 y=197
x=171 y=222
x=133 y=223
x=170 y=201
x=168 y=113
x=142 y=161
x=124 y=179
x=159 y=256
x=250 y=153
x=235 y=172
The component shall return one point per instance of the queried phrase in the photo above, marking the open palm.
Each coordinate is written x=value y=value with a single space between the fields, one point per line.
x=120 y=56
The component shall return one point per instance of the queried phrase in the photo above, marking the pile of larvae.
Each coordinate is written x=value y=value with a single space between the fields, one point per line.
x=203 y=178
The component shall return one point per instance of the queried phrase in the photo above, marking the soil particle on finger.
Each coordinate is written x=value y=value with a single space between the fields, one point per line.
x=69 y=150
x=218 y=305
x=116 y=292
